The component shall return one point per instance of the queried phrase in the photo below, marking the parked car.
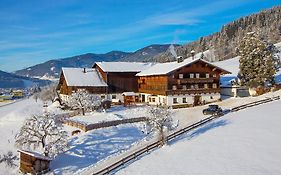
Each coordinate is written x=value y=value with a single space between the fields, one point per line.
x=213 y=110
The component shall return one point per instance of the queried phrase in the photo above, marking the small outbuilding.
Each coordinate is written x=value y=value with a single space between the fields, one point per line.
x=33 y=162
x=130 y=98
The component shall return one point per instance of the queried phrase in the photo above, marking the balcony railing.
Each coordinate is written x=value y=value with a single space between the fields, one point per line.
x=196 y=80
x=192 y=91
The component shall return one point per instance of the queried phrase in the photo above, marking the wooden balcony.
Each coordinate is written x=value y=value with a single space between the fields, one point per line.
x=192 y=91
x=196 y=80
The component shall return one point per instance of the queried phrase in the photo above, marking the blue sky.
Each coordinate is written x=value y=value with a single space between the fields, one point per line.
x=34 y=31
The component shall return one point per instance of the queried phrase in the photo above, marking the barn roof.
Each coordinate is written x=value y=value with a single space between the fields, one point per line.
x=35 y=154
x=166 y=68
x=77 y=77
x=123 y=66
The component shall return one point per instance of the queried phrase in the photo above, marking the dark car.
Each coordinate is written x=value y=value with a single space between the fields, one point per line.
x=213 y=110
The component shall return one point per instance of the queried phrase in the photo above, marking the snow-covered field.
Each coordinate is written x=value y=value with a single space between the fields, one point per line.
x=246 y=142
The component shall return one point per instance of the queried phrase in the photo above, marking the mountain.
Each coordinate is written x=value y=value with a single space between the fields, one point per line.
x=146 y=52
x=51 y=69
x=222 y=45
x=8 y=80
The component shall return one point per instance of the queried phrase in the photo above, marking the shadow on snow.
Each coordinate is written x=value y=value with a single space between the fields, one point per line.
x=199 y=131
x=89 y=149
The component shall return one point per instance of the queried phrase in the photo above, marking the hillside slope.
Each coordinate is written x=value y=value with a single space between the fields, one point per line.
x=244 y=142
x=8 y=80
x=223 y=43
x=51 y=69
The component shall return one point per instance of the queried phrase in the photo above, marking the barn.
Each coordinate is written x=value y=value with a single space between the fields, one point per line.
x=33 y=162
x=72 y=79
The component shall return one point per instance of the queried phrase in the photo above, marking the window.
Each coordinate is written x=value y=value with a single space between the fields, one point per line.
x=153 y=99
x=102 y=97
x=192 y=87
x=181 y=76
x=175 y=100
x=211 y=97
x=214 y=85
x=214 y=75
x=207 y=75
x=184 y=87
x=196 y=86
x=205 y=86
x=191 y=75
x=197 y=75
x=174 y=87
x=113 y=96
x=184 y=100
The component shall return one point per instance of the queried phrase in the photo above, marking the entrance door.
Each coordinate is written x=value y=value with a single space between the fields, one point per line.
x=142 y=98
x=197 y=100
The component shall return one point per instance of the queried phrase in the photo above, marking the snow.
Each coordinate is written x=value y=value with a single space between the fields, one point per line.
x=232 y=65
x=165 y=68
x=129 y=94
x=11 y=119
x=77 y=77
x=123 y=66
x=244 y=142
x=94 y=146
x=114 y=113
x=35 y=154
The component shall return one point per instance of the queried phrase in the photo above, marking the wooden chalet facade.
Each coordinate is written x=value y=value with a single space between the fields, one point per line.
x=72 y=79
x=120 y=77
x=185 y=83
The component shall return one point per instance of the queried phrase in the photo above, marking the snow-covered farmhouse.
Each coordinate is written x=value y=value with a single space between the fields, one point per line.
x=72 y=79
x=120 y=77
x=182 y=83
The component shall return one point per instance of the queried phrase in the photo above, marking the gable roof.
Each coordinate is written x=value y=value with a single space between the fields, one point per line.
x=77 y=77
x=123 y=66
x=166 y=68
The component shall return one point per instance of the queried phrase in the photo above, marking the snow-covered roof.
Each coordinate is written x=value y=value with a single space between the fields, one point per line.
x=77 y=77
x=123 y=66
x=165 y=68
x=35 y=154
x=129 y=94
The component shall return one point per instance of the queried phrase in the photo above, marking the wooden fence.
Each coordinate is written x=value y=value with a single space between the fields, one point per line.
x=145 y=149
x=238 y=108
x=87 y=127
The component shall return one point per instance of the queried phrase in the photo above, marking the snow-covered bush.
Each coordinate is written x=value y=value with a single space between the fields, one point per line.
x=257 y=63
x=42 y=133
x=160 y=121
x=84 y=101
x=9 y=159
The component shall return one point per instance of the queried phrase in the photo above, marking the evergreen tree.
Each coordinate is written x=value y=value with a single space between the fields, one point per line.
x=257 y=65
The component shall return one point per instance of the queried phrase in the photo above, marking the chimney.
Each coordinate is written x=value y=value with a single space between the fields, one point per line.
x=179 y=59
x=192 y=54
x=84 y=70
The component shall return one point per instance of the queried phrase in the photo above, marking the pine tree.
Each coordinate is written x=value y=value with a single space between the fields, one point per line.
x=257 y=65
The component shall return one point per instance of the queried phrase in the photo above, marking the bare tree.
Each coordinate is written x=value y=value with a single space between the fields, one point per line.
x=48 y=93
x=42 y=133
x=84 y=101
x=160 y=120
x=9 y=159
